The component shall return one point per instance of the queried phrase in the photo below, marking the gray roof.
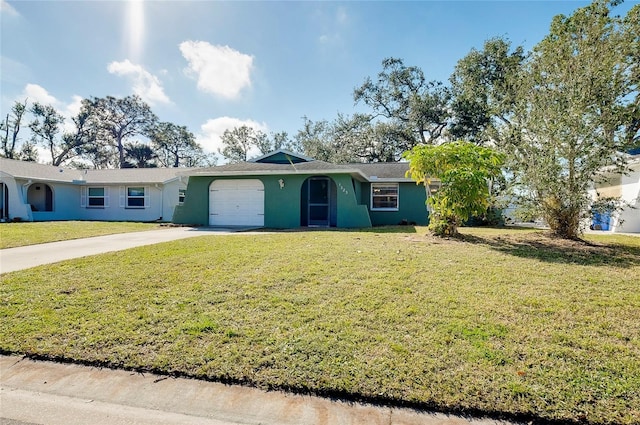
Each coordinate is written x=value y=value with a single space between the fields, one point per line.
x=390 y=171
x=36 y=171
x=373 y=171
x=384 y=170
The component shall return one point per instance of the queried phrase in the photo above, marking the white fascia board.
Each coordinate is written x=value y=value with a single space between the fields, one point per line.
x=354 y=172
x=391 y=180
x=116 y=183
x=45 y=180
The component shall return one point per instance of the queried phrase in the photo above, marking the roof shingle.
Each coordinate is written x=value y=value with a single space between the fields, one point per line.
x=33 y=170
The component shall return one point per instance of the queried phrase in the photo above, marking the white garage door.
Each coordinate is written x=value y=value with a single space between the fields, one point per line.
x=236 y=203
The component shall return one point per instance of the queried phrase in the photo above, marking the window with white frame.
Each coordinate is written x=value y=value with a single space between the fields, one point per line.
x=135 y=197
x=384 y=196
x=96 y=197
x=181 y=194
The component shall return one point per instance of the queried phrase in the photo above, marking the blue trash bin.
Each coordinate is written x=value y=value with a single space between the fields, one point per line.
x=601 y=221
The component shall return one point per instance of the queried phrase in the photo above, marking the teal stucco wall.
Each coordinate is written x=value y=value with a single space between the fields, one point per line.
x=282 y=205
x=351 y=213
x=412 y=206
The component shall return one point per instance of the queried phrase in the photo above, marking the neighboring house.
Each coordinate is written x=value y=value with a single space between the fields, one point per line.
x=287 y=190
x=626 y=187
x=35 y=192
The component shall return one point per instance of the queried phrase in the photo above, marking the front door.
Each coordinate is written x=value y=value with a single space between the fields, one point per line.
x=318 y=201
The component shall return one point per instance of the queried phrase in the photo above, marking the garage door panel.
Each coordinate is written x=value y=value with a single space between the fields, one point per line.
x=236 y=203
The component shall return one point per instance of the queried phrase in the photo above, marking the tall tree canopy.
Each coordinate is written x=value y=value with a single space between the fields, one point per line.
x=10 y=129
x=117 y=121
x=238 y=143
x=175 y=145
x=106 y=133
x=351 y=138
x=484 y=86
x=403 y=96
x=46 y=126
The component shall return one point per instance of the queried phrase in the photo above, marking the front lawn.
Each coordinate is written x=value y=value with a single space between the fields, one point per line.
x=21 y=234
x=505 y=323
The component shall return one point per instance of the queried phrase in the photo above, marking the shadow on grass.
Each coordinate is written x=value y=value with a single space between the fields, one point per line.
x=390 y=229
x=541 y=247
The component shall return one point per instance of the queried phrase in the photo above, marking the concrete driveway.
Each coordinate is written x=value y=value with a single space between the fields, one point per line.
x=24 y=257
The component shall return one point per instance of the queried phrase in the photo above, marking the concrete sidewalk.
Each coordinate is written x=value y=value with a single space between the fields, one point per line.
x=38 y=392
x=24 y=257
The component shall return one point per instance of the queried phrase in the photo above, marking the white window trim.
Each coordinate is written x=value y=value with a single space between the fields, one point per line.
x=124 y=190
x=84 y=197
x=397 y=208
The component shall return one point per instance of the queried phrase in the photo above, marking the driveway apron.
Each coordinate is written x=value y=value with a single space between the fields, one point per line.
x=24 y=257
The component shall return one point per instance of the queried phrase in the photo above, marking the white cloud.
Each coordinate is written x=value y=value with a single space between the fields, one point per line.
x=6 y=8
x=213 y=129
x=35 y=93
x=219 y=70
x=72 y=109
x=145 y=84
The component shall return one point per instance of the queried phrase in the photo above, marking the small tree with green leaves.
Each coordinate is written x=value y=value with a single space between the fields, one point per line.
x=465 y=171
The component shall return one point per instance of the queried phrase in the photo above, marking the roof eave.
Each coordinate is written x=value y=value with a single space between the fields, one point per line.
x=391 y=180
x=275 y=172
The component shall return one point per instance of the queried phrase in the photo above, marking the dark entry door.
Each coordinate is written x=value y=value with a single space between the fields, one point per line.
x=318 y=201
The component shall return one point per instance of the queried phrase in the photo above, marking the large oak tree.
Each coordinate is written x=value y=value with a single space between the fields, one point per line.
x=119 y=120
x=404 y=97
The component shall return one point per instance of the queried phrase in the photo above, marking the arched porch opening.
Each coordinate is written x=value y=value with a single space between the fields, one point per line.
x=40 y=197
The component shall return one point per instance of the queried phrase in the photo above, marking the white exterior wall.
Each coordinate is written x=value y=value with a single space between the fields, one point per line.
x=69 y=201
x=17 y=205
x=115 y=208
x=64 y=197
x=170 y=197
x=629 y=218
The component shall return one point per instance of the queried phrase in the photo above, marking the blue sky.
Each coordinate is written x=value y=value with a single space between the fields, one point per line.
x=215 y=65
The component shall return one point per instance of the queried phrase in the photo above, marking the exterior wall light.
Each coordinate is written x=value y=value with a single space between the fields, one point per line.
x=281 y=181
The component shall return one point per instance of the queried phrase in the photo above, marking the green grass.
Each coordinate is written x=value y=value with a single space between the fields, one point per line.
x=21 y=234
x=504 y=322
